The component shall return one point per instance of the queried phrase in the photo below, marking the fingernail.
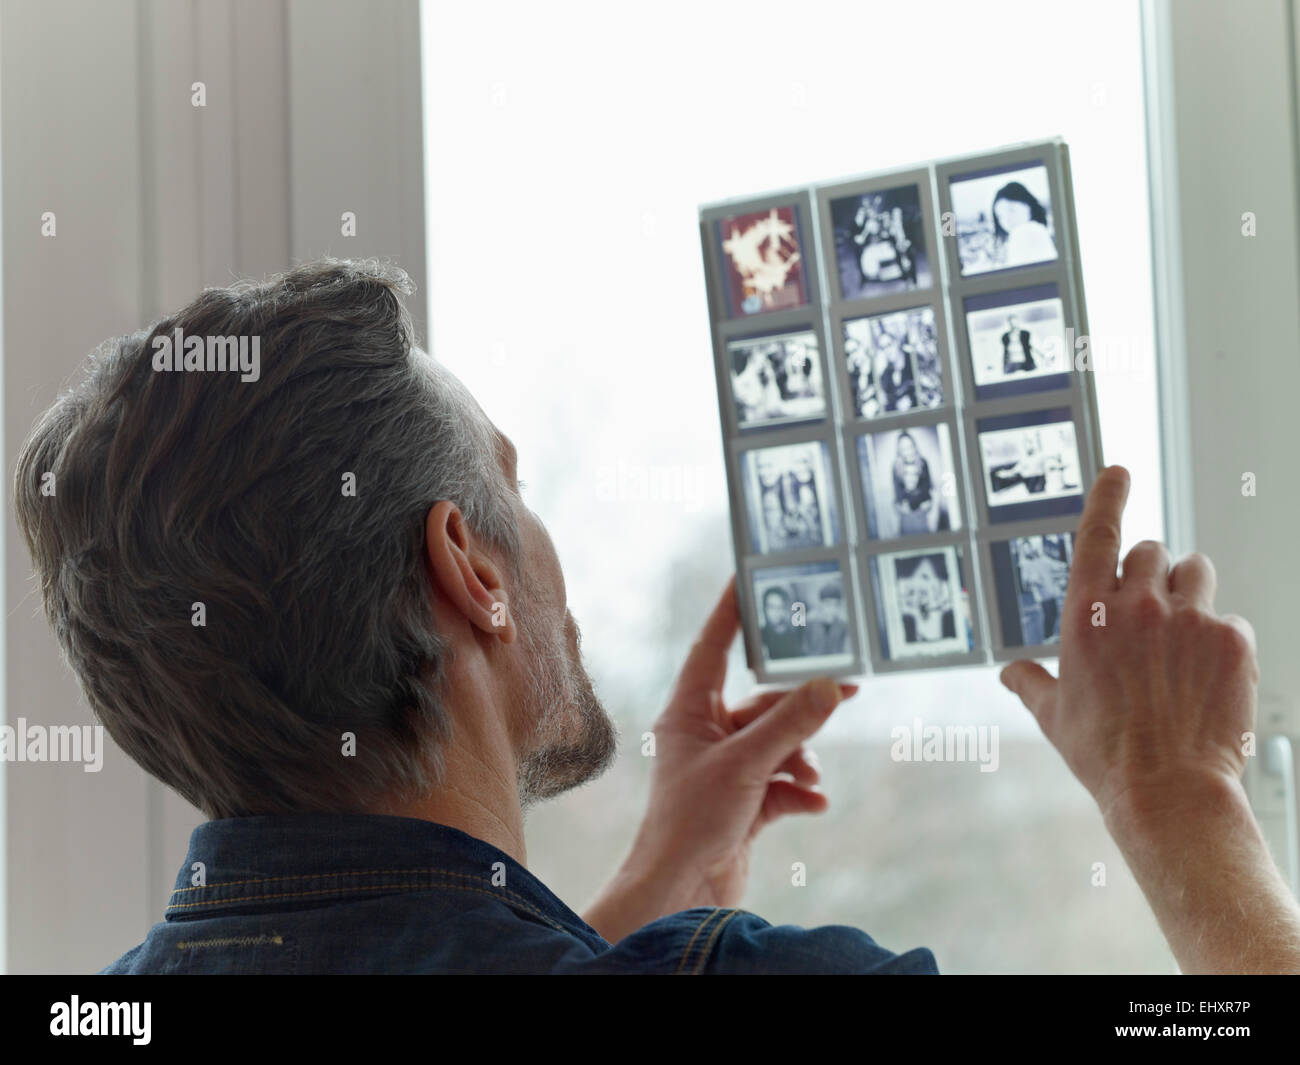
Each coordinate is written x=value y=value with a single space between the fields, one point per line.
x=826 y=695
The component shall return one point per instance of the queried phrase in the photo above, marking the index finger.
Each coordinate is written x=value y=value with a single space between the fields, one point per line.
x=1096 y=543
x=706 y=665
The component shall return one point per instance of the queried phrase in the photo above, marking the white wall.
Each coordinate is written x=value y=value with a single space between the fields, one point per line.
x=313 y=108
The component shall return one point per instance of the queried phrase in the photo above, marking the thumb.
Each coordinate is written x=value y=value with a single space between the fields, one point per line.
x=1035 y=686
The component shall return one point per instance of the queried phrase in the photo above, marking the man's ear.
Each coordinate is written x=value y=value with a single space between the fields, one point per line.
x=464 y=573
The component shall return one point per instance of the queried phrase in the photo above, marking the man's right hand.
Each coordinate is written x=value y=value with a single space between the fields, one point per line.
x=1155 y=699
x=1156 y=692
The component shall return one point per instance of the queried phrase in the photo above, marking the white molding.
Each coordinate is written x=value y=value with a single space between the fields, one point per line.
x=1167 y=280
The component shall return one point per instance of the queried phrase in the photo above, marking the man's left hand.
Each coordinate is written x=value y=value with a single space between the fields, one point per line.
x=720 y=775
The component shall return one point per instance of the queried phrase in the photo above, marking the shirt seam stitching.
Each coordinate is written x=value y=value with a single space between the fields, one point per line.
x=698 y=929
x=321 y=876
x=373 y=887
x=713 y=938
x=317 y=876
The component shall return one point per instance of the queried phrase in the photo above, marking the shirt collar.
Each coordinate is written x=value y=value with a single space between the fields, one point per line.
x=256 y=864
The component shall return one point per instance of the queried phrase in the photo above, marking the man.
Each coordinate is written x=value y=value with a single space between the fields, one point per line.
x=1030 y=469
x=828 y=626
x=317 y=607
x=780 y=638
x=1022 y=360
x=896 y=378
x=1044 y=578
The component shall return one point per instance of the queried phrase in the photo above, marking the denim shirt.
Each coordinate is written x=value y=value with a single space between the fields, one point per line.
x=363 y=893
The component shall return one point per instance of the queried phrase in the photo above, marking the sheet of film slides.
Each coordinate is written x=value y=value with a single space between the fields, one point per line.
x=908 y=436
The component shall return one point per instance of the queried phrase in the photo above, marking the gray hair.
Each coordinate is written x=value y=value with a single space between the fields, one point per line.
x=175 y=489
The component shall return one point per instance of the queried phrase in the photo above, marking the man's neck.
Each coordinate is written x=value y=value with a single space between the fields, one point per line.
x=479 y=789
x=476 y=798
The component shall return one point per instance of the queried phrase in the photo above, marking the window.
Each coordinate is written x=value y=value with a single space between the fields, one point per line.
x=564 y=175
